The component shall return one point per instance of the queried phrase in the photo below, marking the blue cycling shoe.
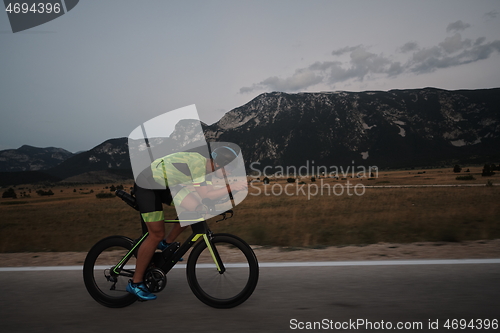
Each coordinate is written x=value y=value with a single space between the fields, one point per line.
x=140 y=290
x=162 y=246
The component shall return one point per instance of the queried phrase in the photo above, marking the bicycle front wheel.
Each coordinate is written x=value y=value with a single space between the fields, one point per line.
x=103 y=283
x=235 y=284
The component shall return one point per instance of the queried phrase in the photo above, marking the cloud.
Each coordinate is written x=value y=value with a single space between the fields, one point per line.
x=426 y=53
x=300 y=80
x=457 y=26
x=323 y=66
x=491 y=14
x=246 y=90
x=363 y=64
x=395 y=69
x=455 y=43
x=481 y=52
x=408 y=47
x=343 y=50
x=479 y=41
x=430 y=60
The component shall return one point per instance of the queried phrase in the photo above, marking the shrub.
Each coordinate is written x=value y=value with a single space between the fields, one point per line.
x=14 y=202
x=488 y=170
x=44 y=193
x=468 y=177
x=103 y=195
x=10 y=193
x=89 y=192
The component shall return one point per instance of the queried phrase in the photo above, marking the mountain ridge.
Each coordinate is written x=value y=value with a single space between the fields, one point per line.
x=30 y=158
x=424 y=126
x=391 y=129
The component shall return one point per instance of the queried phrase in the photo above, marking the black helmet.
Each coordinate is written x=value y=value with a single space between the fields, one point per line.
x=224 y=155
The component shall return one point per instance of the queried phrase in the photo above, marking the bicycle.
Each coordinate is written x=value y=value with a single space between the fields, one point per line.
x=222 y=269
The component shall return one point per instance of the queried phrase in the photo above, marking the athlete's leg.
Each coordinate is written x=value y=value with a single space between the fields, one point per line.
x=174 y=232
x=146 y=250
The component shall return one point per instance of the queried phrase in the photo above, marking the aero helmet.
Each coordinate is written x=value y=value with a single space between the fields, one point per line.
x=224 y=155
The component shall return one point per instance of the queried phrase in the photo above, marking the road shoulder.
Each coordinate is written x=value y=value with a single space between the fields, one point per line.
x=479 y=249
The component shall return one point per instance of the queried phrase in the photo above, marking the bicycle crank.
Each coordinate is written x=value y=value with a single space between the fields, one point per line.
x=155 y=279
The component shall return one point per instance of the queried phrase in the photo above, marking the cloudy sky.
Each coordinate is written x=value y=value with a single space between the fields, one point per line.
x=107 y=66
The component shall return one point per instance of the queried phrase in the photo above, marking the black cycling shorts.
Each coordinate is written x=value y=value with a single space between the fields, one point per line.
x=150 y=203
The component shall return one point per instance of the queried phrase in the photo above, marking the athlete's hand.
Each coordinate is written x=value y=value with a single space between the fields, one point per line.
x=238 y=186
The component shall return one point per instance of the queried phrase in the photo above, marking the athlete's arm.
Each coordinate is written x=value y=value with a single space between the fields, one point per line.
x=213 y=194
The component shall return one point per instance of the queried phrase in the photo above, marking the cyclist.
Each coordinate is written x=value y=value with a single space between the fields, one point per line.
x=182 y=168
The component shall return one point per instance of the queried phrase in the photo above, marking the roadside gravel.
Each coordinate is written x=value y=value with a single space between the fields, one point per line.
x=480 y=249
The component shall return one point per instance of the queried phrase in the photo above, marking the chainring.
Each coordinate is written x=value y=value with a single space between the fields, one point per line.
x=155 y=279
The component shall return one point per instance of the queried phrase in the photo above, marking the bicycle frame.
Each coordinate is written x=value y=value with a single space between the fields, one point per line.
x=200 y=230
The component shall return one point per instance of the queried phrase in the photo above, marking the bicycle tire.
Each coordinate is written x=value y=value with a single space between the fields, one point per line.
x=230 y=288
x=99 y=261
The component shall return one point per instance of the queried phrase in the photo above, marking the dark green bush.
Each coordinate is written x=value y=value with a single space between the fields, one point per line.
x=44 y=193
x=103 y=195
x=468 y=177
x=10 y=193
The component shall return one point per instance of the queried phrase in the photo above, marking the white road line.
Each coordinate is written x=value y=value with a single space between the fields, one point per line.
x=381 y=263
x=419 y=186
x=289 y=264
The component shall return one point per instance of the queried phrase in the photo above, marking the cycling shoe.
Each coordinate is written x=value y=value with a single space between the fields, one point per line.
x=140 y=290
x=164 y=245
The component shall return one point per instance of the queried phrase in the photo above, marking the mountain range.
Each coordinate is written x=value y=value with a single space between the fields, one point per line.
x=398 y=128
x=393 y=129
x=28 y=158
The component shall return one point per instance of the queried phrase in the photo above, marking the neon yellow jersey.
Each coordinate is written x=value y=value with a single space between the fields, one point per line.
x=182 y=168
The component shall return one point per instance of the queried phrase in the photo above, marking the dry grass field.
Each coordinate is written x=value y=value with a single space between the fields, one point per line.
x=73 y=219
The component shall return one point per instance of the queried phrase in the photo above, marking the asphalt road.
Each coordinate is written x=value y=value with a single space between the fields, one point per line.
x=285 y=298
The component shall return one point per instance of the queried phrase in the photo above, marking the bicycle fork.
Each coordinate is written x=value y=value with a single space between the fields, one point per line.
x=213 y=251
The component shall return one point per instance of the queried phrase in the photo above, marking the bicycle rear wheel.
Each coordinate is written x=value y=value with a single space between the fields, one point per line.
x=235 y=284
x=105 y=286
